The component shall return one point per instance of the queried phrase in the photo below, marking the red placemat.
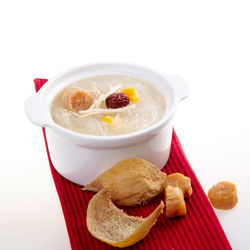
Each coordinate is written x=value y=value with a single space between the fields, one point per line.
x=199 y=229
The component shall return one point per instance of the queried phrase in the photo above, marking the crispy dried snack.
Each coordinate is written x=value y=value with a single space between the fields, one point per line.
x=223 y=195
x=175 y=204
x=110 y=224
x=181 y=181
x=132 y=182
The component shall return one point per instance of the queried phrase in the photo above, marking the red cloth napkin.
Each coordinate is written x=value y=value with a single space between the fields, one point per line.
x=199 y=229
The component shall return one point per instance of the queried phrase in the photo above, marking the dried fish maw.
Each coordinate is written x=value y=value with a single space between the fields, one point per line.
x=132 y=182
x=175 y=204
x=181 y=181
x=110 y=224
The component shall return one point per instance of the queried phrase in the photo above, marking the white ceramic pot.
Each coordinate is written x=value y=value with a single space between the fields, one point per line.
x=81 y=158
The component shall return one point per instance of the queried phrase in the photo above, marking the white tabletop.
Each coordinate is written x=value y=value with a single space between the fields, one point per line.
x=205 y=43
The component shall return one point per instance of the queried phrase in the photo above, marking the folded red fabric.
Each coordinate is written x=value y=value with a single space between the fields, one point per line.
x=199 y=229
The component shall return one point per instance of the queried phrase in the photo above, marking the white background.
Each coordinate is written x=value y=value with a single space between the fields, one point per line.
x=205 y=42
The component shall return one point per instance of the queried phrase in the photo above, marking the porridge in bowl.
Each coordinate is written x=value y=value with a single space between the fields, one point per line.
x=108 y=105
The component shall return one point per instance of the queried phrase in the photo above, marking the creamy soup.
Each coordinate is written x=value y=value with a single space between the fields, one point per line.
x=108 y=105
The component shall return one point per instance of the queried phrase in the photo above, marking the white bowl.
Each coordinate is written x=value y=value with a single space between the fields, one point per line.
x=81 y=158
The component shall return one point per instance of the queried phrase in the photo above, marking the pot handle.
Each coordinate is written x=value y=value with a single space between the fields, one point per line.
x=33 y=109
x=179 y=86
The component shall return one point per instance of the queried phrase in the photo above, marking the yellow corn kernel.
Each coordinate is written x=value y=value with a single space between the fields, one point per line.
x=132 y=94
x=108 y=119
x=64 y=92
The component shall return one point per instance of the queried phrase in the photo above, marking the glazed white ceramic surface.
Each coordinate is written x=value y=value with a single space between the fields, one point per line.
x=81 y=158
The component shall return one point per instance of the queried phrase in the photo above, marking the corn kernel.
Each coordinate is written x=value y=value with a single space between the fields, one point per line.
x=64 y=93
x=108 y=119
x=132 y=94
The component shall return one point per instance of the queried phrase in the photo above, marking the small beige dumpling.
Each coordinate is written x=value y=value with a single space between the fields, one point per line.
x=181 y=181
x=132 y=182
x=110 y=224
x=175 y=204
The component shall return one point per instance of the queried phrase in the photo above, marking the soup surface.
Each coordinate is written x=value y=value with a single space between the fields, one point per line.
x=108 y=105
